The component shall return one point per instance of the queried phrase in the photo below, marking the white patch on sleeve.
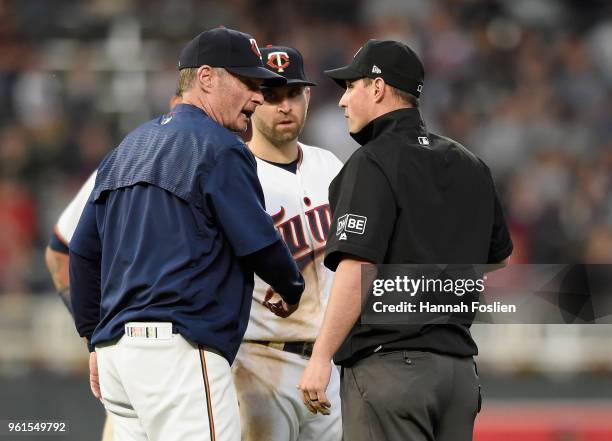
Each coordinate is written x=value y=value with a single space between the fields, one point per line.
x=350 y=223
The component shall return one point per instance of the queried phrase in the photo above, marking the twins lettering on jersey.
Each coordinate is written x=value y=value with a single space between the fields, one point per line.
x=295 y=235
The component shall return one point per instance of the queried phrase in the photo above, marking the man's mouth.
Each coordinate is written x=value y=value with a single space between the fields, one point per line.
x=247 y=113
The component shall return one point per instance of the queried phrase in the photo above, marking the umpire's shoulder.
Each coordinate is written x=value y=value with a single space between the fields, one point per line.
x=447 y=145
x=362 y=161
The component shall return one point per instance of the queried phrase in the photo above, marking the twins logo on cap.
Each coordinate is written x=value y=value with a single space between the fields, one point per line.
x=287 y=62
x=232 y=50
x=278 y=60
x=254 y=47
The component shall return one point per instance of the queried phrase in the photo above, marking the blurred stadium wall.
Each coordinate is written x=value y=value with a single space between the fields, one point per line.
x=525 y=84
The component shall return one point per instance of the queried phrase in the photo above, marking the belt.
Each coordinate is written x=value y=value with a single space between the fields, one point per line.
x=159 y=331
x=301 y=348
x=156 y=330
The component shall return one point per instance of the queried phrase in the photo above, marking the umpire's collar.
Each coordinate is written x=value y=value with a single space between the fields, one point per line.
x=405 y=120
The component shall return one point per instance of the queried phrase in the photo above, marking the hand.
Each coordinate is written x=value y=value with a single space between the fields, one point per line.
x=94 y=379
x=279 y=308
x=313 y=385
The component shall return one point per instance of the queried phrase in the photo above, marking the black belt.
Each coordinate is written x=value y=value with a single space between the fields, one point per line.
x=301 y=348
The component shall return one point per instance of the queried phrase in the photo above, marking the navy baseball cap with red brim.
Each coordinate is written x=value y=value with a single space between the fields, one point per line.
x=232 y=50
x=286 y=61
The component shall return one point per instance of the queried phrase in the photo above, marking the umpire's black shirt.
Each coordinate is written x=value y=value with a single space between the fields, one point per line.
x=412 y=197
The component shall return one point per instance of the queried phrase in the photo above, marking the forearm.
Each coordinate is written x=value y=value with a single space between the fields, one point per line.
x=343 y=309
x=57 y=264
x=86 y=293
x=275 y=266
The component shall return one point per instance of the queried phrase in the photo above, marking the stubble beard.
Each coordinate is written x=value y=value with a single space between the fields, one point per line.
x=277 y=137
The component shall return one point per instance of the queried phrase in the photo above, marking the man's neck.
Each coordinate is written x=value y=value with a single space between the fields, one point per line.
x=262 y=148
x=201 y=103
x=381 y=110
x=193 y=100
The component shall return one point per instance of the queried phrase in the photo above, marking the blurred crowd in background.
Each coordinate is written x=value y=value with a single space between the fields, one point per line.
x=526 y=85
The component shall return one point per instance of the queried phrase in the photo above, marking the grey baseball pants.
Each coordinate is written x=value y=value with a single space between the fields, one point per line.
x=410 y=396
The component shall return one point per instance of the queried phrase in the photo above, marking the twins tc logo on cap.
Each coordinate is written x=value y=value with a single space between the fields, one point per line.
x=254 y=47
x=278 y=60
x=350 y=223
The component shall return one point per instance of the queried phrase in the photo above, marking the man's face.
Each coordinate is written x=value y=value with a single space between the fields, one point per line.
x=282 y=115
x=356 y=103
x=236 y=100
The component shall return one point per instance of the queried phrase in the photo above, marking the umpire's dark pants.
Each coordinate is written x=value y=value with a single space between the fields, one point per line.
x=410 y=396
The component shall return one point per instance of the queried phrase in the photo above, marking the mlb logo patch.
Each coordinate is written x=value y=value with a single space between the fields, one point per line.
x=351 y=223
x=423 y=140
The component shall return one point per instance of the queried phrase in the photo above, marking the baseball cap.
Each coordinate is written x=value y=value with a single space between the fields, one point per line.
x=285 y=61
x=391 y=60
x=233 y=50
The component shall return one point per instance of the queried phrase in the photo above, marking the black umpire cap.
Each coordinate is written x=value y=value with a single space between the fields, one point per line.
x=391 y=60
x=233 y=50
x=285 y=61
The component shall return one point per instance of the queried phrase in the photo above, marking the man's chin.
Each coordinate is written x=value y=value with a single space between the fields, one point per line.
x=284 y=136
x=239 y=127
x=354 y=128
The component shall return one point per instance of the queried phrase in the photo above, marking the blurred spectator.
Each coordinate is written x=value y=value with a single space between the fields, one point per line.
x=17 y=230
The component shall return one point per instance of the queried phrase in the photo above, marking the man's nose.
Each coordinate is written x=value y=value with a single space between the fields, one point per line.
x=284 y=106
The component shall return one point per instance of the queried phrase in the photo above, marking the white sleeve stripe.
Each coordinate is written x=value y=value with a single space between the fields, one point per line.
x=61 y=238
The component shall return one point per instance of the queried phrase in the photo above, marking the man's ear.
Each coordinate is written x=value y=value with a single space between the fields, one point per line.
x=378 y=89
x=204 y=77
x=307 y=95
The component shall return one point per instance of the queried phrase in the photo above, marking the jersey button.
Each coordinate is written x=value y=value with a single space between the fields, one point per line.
x=307 y=201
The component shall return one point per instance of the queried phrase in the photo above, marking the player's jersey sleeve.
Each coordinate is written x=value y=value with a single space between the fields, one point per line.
x=336 y=164
x=69 y=219
x=238 y=201
x=364 y=212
